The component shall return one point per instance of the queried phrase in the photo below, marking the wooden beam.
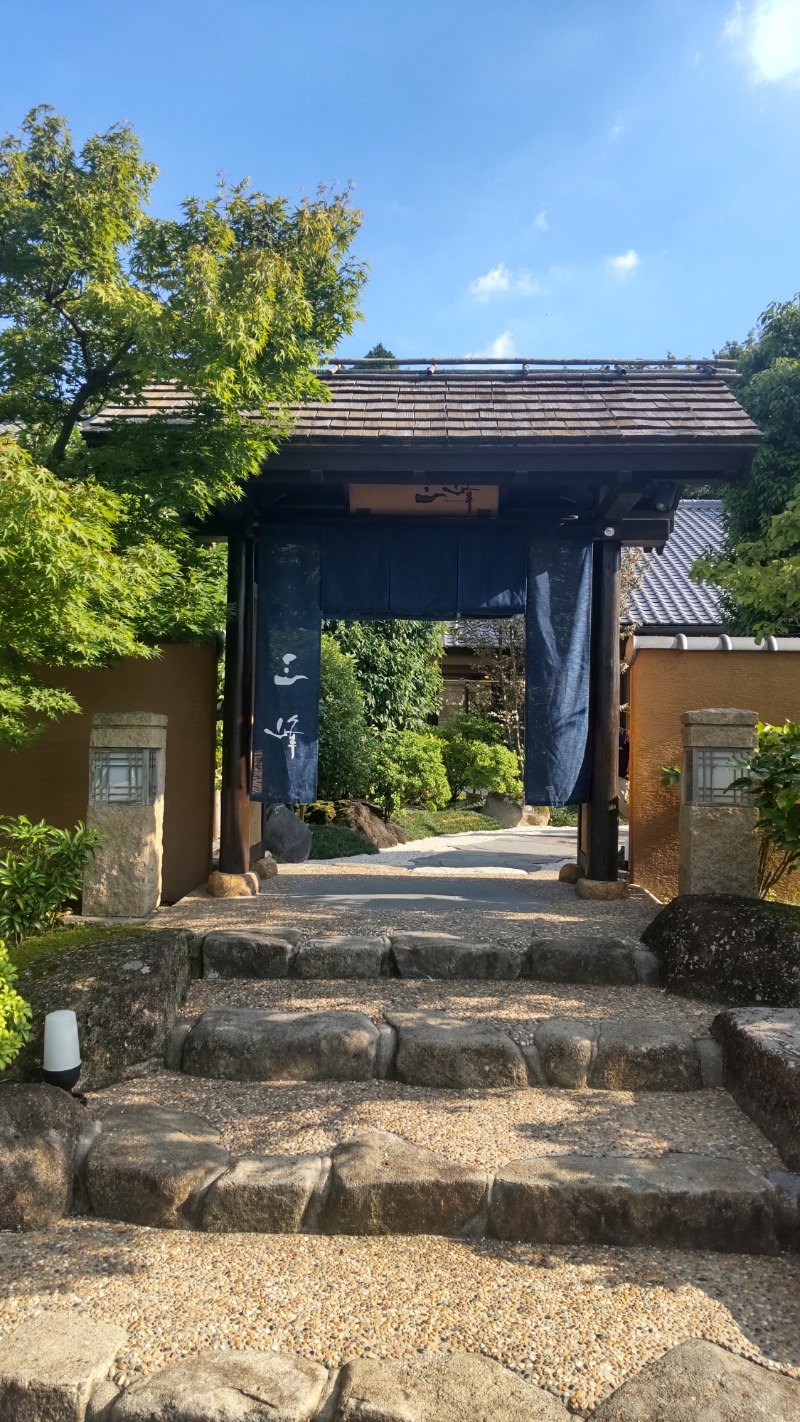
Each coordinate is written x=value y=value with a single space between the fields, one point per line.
x=234 y=848
x=603 y=828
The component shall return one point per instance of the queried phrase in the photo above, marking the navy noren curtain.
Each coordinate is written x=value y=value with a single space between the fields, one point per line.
x=557 y=672
x=286 y=703
x=371 y=572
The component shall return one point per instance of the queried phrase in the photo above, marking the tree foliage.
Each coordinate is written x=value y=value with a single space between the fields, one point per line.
x=228 y=305
x=759 y=565
x=345 y=745
x=69 y=596
x=398 y=665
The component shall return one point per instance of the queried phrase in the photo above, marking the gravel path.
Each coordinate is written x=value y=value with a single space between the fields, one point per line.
x=482 y=1128
x=576 y=1321
x=515 y=1007
x=378 y=893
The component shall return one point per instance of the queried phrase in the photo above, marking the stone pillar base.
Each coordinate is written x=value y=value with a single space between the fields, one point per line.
x=602 y=889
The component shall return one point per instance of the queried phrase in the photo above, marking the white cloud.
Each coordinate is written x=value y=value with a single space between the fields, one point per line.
x=624 y=264
x=500 y=280
x=616 y=132
x=540 y=221
x=502 y=348
x=767 y=33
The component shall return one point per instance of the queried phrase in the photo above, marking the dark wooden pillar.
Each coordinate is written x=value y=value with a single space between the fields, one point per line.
x=234 y=846
x=603 y=827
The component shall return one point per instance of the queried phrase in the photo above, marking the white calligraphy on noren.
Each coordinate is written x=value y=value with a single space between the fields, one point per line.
x=285 y=679
x=286 y=732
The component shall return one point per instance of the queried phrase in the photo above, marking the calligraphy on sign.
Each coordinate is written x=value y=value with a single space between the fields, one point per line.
x=455 y=499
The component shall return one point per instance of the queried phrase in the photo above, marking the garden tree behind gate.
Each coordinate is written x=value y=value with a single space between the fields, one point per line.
x=234 y=302
x=759 y=565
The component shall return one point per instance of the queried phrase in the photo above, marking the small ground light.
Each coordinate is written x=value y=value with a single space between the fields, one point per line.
x=62 y=1053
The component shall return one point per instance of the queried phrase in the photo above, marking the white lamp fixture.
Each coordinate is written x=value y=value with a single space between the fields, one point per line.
x=62 y=1053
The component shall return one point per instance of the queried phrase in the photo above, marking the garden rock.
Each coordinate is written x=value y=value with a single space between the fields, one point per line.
x=126 y=990
x=266 y=1194
x=246 y=1044
x=148 y=1162
x=671 y=1201
x=699 y=1382
x=51 y=1366
x=247 y=955
x=453 y=1388
x=728 y=949
x=362 y=817
x=382 y=1184
x=645 y=1055
x=286 y=836
x=565 y=1050
x=342 y=957
x=761 y=1051
x=570 y=873
x=509 y=813
x=39 y=1128
x=581 y=960
x=265 y=867
x=231 y=1386
x=438 y=1051
x=442 y=955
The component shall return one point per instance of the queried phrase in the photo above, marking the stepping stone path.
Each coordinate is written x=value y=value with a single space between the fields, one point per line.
x=166 y=1168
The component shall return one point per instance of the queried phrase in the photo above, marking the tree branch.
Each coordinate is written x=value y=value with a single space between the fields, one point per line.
x=92 y=386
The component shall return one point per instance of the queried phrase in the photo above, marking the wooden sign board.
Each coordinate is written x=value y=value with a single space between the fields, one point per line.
x=453 y=500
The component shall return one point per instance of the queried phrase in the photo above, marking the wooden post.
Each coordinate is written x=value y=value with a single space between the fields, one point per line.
x=234 y=846
x=603 y=847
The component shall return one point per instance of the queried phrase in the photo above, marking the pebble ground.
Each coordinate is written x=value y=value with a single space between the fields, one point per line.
x=482 y=1128
x=576 y=1321
x=514 y=1007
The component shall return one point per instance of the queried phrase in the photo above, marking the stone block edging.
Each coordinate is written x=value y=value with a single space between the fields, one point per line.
x=436 y=1050
x=150 y=1167
x=56 y=1368
x=283 y=953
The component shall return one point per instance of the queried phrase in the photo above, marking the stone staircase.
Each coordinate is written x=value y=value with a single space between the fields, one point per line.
x=153 y=1162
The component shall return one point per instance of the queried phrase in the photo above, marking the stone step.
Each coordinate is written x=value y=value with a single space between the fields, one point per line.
x=435 y=1049
x=284 y=954
x=149 y=1165
x=59 y=1365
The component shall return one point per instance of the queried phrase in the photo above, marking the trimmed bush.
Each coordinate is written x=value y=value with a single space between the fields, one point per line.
x=409 y=770
x=474 y=765
x=345 y=742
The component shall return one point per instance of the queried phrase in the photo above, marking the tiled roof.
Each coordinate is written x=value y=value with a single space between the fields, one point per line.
x=667 y=596
x=540 y=406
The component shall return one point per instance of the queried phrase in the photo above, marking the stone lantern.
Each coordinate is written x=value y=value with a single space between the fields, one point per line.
x=126 y=804
x=718 y=851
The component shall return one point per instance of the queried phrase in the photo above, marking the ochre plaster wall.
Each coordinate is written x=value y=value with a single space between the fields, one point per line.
x=663 y=684
x=50 y=778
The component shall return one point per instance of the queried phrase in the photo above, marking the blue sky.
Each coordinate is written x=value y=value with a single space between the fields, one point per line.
x=538 y=177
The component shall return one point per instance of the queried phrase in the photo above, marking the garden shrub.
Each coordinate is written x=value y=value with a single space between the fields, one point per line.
x=471 y=726
x=773 y=778
x=409 y=770
x=15 y=1014
x=474 y=765
x=41 y=872
x=345 y=742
